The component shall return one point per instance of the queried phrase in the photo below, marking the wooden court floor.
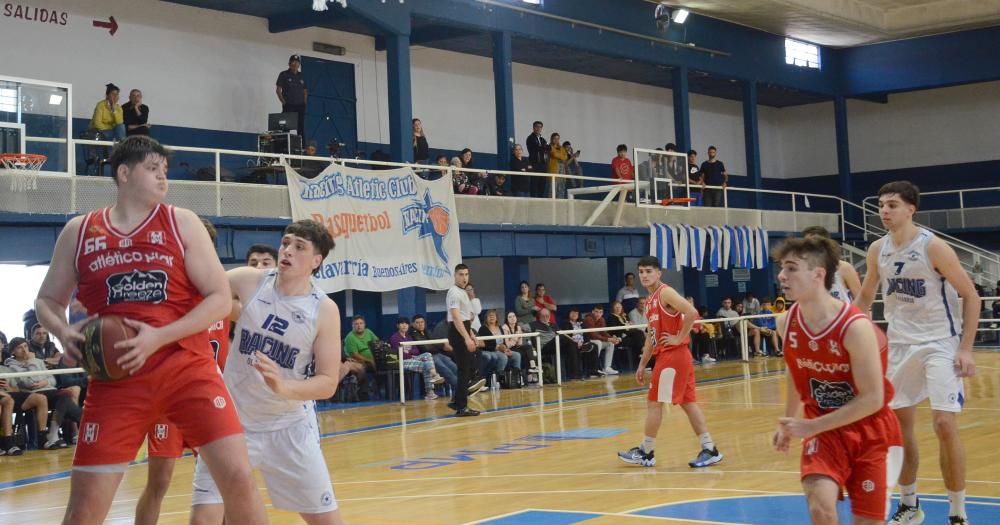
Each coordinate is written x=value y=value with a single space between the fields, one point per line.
x=548 y=456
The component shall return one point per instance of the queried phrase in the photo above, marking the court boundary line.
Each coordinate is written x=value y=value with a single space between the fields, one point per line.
x=924 y=496
x=598 y=514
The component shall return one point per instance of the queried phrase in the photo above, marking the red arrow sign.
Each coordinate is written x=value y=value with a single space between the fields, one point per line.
x=111 y=25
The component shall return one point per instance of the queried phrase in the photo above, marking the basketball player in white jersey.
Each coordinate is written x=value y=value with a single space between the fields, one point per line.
x=930 y=340
x=285 y=323
x=846 y=282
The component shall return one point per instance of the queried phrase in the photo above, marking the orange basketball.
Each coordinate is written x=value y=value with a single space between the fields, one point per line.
x=100 y=357
x=440 y=220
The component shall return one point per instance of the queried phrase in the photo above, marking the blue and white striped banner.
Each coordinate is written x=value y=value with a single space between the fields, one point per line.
x=683 y=245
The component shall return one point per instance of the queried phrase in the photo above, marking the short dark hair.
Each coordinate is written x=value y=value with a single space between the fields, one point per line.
x=16 y=342
x=818 y=231
x=630 y=273
x=906 y=190
x=262 y=248
x=621 y=147
x=133 y=150
x=109 y=87
x=440 y=156
x=598 y=306
x=818 y=251
x=210 y=228
x=315 y=233
x=539 y=285
x=537 y=123
x=418 y=317
x=670 y=146
x=466 y=150
x=460 y=266
x=402 y=320
x=649 y=261
x=713 y=147
x=356 y=317
x=692 y=152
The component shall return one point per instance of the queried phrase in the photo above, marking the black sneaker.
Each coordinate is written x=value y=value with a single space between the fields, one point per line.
x=706 y=458
x=957 y=520
x=13 y=451
x=636 y=456
x=54 y=445
x=466 y=412
x=453 y=405
x=907 y=515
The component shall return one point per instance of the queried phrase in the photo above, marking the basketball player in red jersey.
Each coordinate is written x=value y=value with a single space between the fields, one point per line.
x=154 y=265
x=670 y=318
x=165 y=441
x=836 y=361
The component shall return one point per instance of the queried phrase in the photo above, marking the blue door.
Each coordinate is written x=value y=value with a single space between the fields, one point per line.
x=332 y=109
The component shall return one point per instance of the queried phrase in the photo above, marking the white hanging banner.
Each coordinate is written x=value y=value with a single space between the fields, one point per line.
x=392 y=229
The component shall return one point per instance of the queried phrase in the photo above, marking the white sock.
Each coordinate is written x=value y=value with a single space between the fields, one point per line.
x=706 y=441
x=53 y=433
x=647 y=444
x=908 y=494
x=956 y=500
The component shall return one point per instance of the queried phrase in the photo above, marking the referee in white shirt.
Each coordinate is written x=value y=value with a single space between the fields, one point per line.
x=460 y=338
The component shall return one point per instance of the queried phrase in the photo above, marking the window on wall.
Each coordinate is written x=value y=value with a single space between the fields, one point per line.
x=8 y=99
x=801 y=54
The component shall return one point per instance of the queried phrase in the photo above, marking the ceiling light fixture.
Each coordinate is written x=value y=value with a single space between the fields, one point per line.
x=55 y=100
x=680 y=15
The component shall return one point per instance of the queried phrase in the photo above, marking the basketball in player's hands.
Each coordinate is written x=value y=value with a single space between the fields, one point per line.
x=100 y=357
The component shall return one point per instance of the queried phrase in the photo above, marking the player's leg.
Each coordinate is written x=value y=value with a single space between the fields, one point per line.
x=226 y=461
x=951 y=450
x=40 y=404
x=821 y=496
x=296 y=474
x=327 y=518
x=91 y=490
x=660 y=385
x=6 y=414
x=696 y=418
x=161 y=470
x=908 y=510
x=206 y=502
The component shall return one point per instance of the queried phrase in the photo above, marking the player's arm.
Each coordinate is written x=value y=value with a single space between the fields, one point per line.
x=793 y=403
x=206 y=274
x=57 y=288
x=851 y=278
x=944 y=260
x=862 y=346
x=647 y=354
x=243 y=282
x=869 y=286
x=326 y=352
x=670 y=296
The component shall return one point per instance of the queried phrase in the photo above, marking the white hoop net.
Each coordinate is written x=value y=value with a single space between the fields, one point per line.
x=23 y=170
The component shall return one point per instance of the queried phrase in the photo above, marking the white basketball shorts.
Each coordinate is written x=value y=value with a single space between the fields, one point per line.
x=919 y=371
x=293 y=467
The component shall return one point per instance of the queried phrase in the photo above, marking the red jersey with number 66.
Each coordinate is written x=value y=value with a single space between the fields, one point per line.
x=821 y=366
x=661 y=322
x=138 y=274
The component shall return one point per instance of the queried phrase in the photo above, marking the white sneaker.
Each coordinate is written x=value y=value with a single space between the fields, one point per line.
x=708 y=359
x=610 y=371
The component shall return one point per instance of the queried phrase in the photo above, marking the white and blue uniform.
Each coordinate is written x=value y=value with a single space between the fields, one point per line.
x=839 y=289
x=282 y=434
x=925 y=322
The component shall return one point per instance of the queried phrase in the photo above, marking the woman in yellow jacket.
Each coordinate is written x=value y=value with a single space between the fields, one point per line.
x=108 y=118
x=557 y=163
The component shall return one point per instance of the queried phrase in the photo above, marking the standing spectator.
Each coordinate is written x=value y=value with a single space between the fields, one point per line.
x=543 y=301
x=524 y=305
x=628 y=295
x=605 y=342
x=538 y=150
x=459 y=180
x=557 y=165
x=623 y=170
x=751 y=306
x=135 y=115
x=421 y=152
x=292 y=92
x=520 y=186
x=714 y=174
x=108 y=119
x=477 y=306
x=696 y=181
x=573 y=166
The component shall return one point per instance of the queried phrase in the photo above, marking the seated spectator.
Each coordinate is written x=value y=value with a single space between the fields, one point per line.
x=4 y=352
x=628 y=295
x=632 y=340
x=605 y=342
x=444 y=364
x=517 y=343
x=108 y=118
x=494 y=185
x=730 y=336
x=750 y=327
x=262 y=257
x=702 y=335
x=779 y=305
x=520 y=186
x=574 y=348
x=415 y=359
x=637 y=315
x=497 y=349
x=460 y=180
x=766 y=329
x=440 y=160
x=64 y=401
x=135 y=115
x=13 y=401
x=475 y=179
x=478 y=381
x=311 y=168
x=751 y=306
x=573 y=166
x=543 y=301
x=39 y=343
x=547 y=337
x=358 y=359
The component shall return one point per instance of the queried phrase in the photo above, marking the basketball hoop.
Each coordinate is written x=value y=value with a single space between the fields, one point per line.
x=23 y=168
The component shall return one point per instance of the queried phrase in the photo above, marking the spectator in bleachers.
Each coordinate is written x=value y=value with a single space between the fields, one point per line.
x=442 y=160
x=702 y=335
x=605 y=342
x=751 y=306
x=517 y=343
x=779 y=305
x=524 y=306
x=637 y=315
x=538 y=151
x=497 y=348
x=751 y=328
x=64 y=401
x=443 y=363
x=543 y=301
x=632 y=340
x=262 y=257
x=695 y=180
x=481 y=364
x=474 y=178
x=574 y=348
x=292 y=92
x=622 y=169
x=135 y=115
x=108 y=119
x=460 y=180
x=357 y=355
x=415 y=359
x=714 y=174
x=495 y=185
x=520 y=186
x=421 y=151
x=628 y=295
x=729 y=328
x=573 y=166
x=4 y=352
x=767 y=330
x=557 y=164
x=20 y=402
x=310 y=167
x=477 y=306
x=39 y=343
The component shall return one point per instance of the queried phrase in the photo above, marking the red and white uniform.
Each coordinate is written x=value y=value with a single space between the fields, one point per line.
x=673 y=373
x=859 y=456
x=141 y=275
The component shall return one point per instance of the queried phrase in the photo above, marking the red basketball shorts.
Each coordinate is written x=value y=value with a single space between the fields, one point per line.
x=185 y=389
x=165 y=440
x=673 y=377
x=864 y=457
